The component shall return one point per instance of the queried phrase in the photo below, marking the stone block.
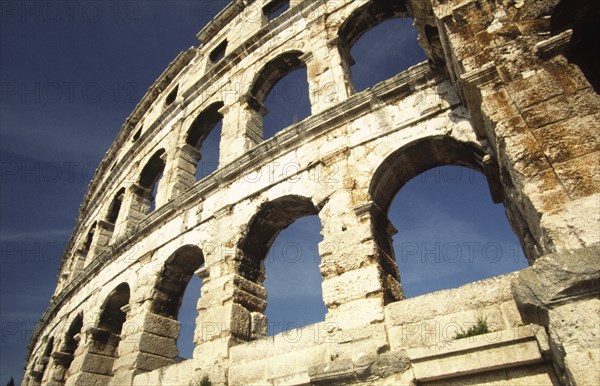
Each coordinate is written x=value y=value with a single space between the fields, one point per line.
x=478 y=354
x=356 y=313
x=352 y=285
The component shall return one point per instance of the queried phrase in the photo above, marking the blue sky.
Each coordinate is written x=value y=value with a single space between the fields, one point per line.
x=70 y=75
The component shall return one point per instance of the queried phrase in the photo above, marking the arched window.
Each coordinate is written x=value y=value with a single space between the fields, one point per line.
x=287 y=103
x=281 y=85
x=72 y=337
x=172 y=96
x=64 y=358
x=84 y=254
x=439 y=244
x=292 y=277
x=46 y=356
x=107 y=336
x=115 y=207
x=112 y=315
x=450 y=232
x=89 y=238
x=292 y=257
x=582 y=17
x=205 y=136
x=379 y=42
x=149 y=180
x=275 y=8
x=169 y=290
x=102 y=343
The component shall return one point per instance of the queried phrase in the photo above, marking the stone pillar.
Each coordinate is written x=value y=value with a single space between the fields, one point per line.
x=356 y=273
x=163 y=189
x=94 y=358
x=60 y=365
x=135 y=207
x=524 y=105
x=148 y=342
x=561 y=292
x=328 y=69
x=242 y=128
x=102 y=236
x=182 y=169
x=77 y=265
x=230 y=311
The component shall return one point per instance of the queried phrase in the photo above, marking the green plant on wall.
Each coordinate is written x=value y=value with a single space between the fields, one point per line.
x=480 y=328
x=205 y=381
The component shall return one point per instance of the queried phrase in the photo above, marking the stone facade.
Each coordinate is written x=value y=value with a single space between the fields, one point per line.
x=505 y=91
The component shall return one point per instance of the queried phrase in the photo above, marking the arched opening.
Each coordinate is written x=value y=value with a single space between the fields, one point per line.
x=172 y=96
x=281 y=86
x=107 y=336
x=582 y=17
x=72 y=338
x=89 y=238
x=112 y=316
x=287 y=103
x=84 y=255
x=137 y=135
x=149 y=181
x=45 y=359
x=218 y=53
x=450 y=233
x=204 y=135
x=291 y=260
x=292 y=277
x=275 y=8
x=115 y=207
x=64 y=358
x=188 y=313
x=378 y=41
x=424 y=189
x=174 y=281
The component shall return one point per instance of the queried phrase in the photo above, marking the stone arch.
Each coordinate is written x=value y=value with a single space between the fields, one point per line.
x=403 y=165
x=71 y=337
x=64 y=357
x=271 y=73
x=367 y=17
x=152 y=170
x=96 y=358
x=83 y=256
x=42 y=362
x=89 y=238
x=114 y=208
x=95 y=243
x=149 y=181
x=263 y=228
x=150 y=341
x=167 y=296
x=173 y=279
x=582 y=17
x=112 y=313
x=407 y=162
x=417 y=157
x=265 y=225
x=199 y=131
x=203 y=124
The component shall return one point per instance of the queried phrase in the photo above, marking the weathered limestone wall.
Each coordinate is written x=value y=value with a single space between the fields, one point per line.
x=498 y=95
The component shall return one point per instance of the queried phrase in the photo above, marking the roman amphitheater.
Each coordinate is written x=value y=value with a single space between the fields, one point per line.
x=510 y=89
